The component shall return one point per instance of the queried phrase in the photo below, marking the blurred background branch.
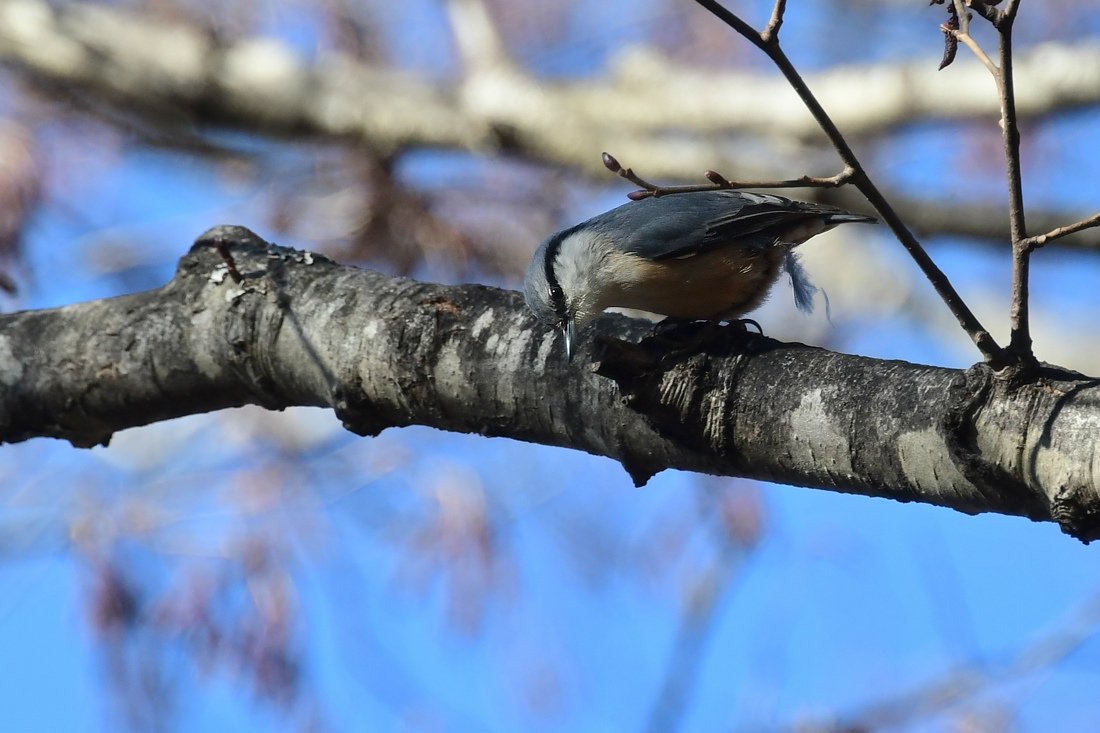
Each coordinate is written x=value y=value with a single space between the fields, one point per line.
x=173 y=79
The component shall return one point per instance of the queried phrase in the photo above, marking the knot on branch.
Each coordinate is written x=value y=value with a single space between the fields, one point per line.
x=360 y=415
x=233 y=242
x=681 y=383
x=638 y=371
x=977 y=387
x=1076 y=509
x=230 y=237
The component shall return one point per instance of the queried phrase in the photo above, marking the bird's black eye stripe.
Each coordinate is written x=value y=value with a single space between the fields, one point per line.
x=557 y=295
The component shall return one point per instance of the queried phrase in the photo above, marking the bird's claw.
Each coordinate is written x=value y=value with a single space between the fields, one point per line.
x=682 y=335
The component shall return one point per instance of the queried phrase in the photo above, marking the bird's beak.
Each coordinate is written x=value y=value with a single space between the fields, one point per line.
x=569 y=331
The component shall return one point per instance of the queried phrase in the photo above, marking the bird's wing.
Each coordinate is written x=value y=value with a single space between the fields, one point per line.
x=673 y=229
x=764 y=217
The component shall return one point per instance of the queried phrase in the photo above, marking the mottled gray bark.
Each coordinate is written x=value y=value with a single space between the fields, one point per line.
x=299 y=329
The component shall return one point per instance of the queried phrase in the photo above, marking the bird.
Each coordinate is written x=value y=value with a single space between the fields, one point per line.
x=701 y=255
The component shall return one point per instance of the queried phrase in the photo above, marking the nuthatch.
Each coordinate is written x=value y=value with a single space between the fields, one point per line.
x=708 y=255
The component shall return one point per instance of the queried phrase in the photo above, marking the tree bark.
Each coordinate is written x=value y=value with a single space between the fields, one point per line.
x=299 y=329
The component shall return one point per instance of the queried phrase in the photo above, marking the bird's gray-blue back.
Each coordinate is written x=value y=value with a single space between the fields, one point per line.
x=676 y=225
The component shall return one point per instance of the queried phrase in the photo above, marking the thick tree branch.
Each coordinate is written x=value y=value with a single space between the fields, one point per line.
x=383 y=352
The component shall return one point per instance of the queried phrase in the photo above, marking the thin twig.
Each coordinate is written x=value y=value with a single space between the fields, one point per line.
x=1020 y=346
x=1020 y=339
x=964 y=17
x=718 y=182
x=1034 y=243
x=978 y=51
x=963 y=34
x=988 y=12
x=733 y=21
x=989 y=348
x=771 y=31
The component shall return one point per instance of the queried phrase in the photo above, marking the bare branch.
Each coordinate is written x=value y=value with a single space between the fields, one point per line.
x=963 y=16
x=1020 y=345
x=988 y=347
x=735 y=22
x=86 y=51
x=988 y=12
x=983 y=222
x=1033 y=243
x=967 y=39
x=185 y=78
x=771 y=31
x=1020 y=338
x=718 y=182
x=963 y=35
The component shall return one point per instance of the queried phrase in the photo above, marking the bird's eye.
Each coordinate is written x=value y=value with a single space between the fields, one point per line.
x=556 y=293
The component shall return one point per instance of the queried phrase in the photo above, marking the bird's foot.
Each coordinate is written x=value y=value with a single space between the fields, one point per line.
x=682 y=335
